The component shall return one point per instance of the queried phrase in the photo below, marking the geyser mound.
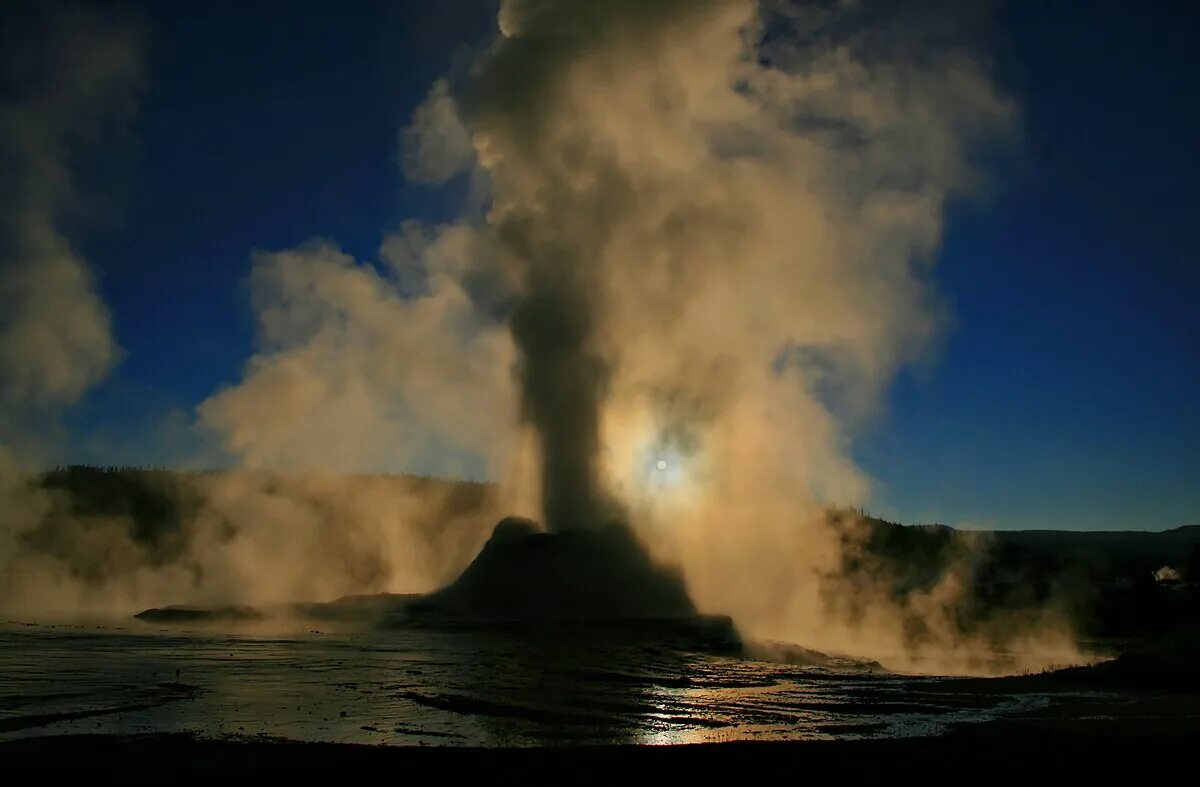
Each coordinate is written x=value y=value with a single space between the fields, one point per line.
x=597 y=579
x=585 y=579
x=586 y=574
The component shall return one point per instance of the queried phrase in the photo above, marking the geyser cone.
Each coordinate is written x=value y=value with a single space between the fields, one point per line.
x=586 y=574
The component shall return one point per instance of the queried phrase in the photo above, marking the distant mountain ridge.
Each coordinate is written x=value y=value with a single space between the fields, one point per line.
x=1165 y=547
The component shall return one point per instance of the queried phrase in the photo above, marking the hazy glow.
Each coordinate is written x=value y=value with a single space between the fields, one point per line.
x=668 y=471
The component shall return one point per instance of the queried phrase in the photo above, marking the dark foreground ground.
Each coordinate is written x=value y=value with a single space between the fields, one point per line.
x=1026 y=748
x=122 y=704
x=1137 y=717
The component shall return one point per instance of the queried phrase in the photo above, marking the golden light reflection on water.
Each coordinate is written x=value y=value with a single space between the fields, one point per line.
x=447 y=688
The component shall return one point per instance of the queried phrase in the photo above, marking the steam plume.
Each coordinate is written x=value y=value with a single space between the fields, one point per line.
x=719 y=218
x=686 y=191
x=705 y=249
x=69 y=79
x=359 y=370
x=72 y=81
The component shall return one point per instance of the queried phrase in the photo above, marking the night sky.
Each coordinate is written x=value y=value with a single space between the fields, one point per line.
x=1065 y=393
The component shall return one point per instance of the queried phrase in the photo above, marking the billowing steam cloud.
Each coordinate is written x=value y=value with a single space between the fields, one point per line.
x=363 y=371
x=719 y=218
x=74 y=81
x=711 y=210
x=69 y=81
x=358 y=371
x=704 y=254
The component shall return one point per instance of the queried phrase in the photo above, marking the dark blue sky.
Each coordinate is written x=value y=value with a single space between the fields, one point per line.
x=1067 y=393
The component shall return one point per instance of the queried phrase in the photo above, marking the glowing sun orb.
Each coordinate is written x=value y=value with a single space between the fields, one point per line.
x=661 y=464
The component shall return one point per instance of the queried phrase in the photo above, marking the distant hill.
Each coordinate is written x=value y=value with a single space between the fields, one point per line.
x=1163 y=548
x=157 y=502
x=1098 y=548
x=1107 y=579
x=157 y=510
x=1111 y=583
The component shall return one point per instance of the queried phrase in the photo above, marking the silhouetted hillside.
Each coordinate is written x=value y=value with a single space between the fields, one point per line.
x=100 y=522
x=1149 y=550
x=1109 y=582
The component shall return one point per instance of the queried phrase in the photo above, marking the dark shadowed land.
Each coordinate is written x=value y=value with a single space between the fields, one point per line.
x=1031 y=747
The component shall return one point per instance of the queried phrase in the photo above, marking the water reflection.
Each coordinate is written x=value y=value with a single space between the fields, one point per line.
x=437 y=687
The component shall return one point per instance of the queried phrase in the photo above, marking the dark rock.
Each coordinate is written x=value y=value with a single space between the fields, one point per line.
x=523 y=573
x=187 y=614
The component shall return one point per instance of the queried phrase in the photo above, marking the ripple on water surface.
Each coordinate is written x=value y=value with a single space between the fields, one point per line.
x=449 y=688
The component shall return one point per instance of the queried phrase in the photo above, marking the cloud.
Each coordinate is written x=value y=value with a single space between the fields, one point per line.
x=436 y=145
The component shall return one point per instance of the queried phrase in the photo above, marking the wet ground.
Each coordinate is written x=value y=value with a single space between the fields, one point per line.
x=461 y=688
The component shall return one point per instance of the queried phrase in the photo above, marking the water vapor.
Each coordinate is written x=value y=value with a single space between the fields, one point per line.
x=699 y=248
x=721 y=219
x=70 y=82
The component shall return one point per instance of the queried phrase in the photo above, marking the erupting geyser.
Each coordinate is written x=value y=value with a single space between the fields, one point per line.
x=695 y=256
